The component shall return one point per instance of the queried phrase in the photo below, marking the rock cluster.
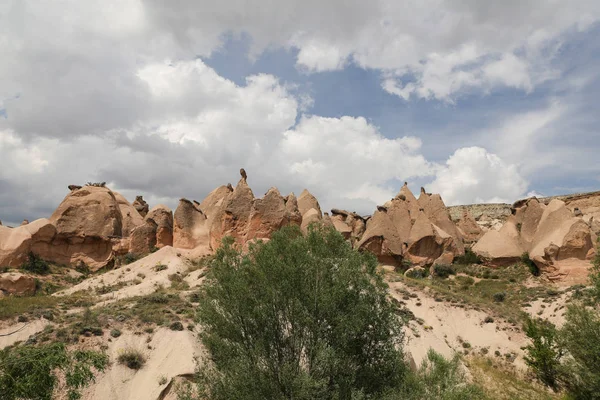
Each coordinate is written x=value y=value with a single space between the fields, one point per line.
x=548 y=233
x=91 y=225
x=234 y=212
x=417 y=230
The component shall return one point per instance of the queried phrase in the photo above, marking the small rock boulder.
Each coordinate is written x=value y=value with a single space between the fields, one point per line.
x=16 y=243
x=17 y=284
x=141 y=206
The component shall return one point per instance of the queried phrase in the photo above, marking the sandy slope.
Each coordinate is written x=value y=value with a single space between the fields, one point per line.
x=171 y=354
x=144 y=271
x=30 y=328
x=444 y=324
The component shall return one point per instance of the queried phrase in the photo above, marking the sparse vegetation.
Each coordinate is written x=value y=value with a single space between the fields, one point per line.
x=36 y=265
x=533 y=268
x=160 y=267
x=443 y=271
x=32 y=372
x=176 y=326
x=129 y=258
x=544 y=354
x=115 y=333
x=438 y=378
x=13 y=306
x=468 y=258
x=132 y=358
x=578 y=371
x=499 y=297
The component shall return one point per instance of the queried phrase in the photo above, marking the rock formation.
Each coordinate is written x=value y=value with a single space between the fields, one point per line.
x=468 y=228
x=16 y=243
x=17 y=284
x=163 y=216
x=143 y=238
x=87 y=221
x=130 y=217
x=141 y=206
x=269 y=214
x=549 y=233
x=306 y=201
x=417 y=230
x=190 y=228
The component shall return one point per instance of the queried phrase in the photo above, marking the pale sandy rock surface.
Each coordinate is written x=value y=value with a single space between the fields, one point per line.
x=445 y=326
x=176 y=261
x=22 y=331
x=171 y=354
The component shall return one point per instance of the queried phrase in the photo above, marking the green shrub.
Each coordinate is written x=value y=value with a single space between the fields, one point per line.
x=533 y=268
x=465 y=280
x=595 y=275
x=544 y=354
x=160 y=267
x=440 y=379
x=499 y=297
x=468 y=258
x=416 y=273
x=91 y=330
x=301 y=316
x=443 y=271
x=132 y=358
x=115 y=333
x=129 y=258
x=176 y=326
x=581 y=338
x=82 y=268
x=30 y=372
x=36 y=265
x=158 y=298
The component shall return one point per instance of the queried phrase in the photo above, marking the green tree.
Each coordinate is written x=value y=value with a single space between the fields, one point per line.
x=440 y=379
x=30 y=372
x=299 y=317
x=581 y=335
x=544 y=353
x=595 y=274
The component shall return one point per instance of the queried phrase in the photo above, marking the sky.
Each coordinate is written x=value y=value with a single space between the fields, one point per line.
x=478 y=101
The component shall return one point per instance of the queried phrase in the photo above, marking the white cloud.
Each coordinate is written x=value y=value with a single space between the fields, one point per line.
x=473 y=175
x=206 y=127
x=89 y=95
